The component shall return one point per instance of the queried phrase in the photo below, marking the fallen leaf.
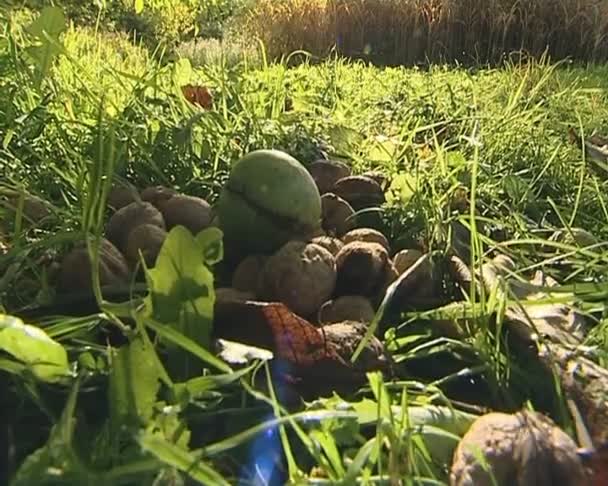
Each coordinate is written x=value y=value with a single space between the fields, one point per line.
x=198 y=95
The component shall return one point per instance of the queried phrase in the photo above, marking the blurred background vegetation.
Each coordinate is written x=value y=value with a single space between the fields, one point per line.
x=385 y=32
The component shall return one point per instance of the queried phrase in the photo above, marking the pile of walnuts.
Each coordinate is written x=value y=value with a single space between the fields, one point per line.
x=137 y=228
x=339 y=275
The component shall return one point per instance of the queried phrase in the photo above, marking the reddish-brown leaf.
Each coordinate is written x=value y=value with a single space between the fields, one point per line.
x=198 y=95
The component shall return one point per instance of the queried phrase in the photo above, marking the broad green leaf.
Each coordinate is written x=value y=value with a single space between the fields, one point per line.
x=382 y=149
x=440 y=428
x=210 y=241
x=402 y=188
x=181 y=287
x=344 y=139
x=328 y=443
x=167 y=425
x=180 y=458
x=134 y=383
x=51 y=22
x=182 y=72
x=358 y=463
x=451 y=420
x=47 y=359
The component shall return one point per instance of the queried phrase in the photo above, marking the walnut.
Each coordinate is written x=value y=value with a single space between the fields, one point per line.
x=366 y=234
x=347 y=335
x=520 y=449
x=360 y=192
x=377 y=176
x=404 y=259
x=327 y=172
x=247 y=276
x=347 y=308
x=227 y=294
x=300 y=275
x=337 y=215
x=129 y=217
x=192 y=212
x=121 y=196
x=333 y=245
x=148 y=239
x=361 y=268
x=75 y=271
x=156 y=195
x=34 y=209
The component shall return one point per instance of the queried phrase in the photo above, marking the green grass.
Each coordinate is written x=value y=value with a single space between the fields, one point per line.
x=108 y=109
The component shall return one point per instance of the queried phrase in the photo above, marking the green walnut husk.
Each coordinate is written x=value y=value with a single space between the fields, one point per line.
x=269 y=199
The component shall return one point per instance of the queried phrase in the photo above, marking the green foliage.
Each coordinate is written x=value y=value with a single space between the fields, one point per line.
x=45 y=358
x=181 y=459
x=181 y=284
x=134 y=383
x=45 y=31
x=165 y=22
x=56 y=455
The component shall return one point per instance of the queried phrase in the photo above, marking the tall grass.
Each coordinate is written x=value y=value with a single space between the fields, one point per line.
x=409 y=32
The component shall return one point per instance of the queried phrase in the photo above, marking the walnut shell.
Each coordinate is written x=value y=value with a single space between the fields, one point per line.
x=520 y=449
x=300 y=275
x=419 y=284
x=366 y=234
x=327 y=172
x=337 y=215
x=75 y=271
x=377 y=176
x=347 y=308
x=157 y=195
x=192 y=212
x=347 y=335
x=390 y=276
x=360 y=192
x=149 y=239
x=404 y=259
x=504 y=264
x=121 y=196
x=246 y=277
x=361 y=268
x=34 y=208
x=129 y=217
x=228 y=294
x=333 y=245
